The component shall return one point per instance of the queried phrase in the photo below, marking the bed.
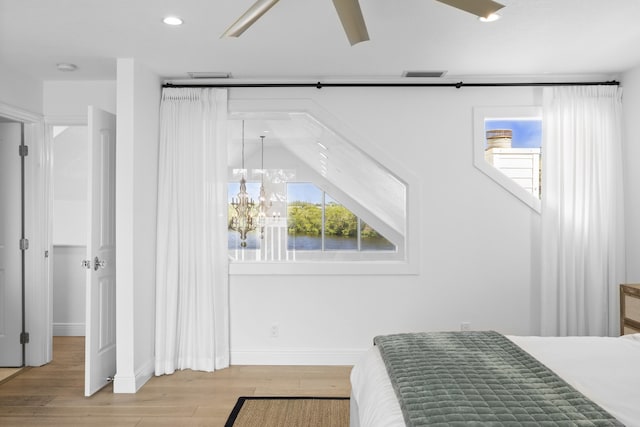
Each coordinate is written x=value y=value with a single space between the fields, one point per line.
x=603 y=370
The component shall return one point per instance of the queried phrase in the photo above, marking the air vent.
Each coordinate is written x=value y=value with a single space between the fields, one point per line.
x=209 y=75
x=424 y=73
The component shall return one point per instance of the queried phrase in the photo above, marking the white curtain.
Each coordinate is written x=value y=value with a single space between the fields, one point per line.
x=582 y=210
x=192 y=326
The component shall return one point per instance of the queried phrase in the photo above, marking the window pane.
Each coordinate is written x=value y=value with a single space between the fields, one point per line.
x=340 y=227
x=304 y=216
x=513 y=147
x=525 y=132
x=371 y=240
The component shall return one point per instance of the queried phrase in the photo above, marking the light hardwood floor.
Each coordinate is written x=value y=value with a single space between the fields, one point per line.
x=8 y=372
x=52 y=395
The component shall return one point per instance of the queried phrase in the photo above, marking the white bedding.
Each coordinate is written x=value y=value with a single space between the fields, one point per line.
x=606 y=370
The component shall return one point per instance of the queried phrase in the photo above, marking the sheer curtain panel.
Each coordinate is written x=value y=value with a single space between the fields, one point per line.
x=192 y=314
x=582 y=210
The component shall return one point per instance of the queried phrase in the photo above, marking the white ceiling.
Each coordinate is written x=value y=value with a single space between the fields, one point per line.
x=303 y=39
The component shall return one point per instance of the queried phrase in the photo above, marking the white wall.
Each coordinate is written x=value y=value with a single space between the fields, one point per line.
x=64 y=100
x=478 y=257
x=68 y=291
x=70 y=174
x=138 y=103
x=631 y=102
x=19 y=90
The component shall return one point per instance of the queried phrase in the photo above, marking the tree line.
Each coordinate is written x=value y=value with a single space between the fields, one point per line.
x=306 y=218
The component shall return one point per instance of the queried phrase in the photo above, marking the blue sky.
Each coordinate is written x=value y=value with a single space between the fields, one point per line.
x=527 y=133
x=304 y=191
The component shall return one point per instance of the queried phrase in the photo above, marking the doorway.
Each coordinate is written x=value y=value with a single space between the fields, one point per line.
x=70 y=177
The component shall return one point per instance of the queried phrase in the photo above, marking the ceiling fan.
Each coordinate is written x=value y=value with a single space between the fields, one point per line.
x=351 y=17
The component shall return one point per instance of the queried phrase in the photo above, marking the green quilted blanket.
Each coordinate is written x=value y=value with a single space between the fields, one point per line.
x=480 y=378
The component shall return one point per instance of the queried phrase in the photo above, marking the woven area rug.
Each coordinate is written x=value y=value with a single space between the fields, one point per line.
x=254 y=411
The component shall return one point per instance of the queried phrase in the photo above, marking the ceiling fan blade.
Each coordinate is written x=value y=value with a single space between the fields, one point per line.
x=481 y=8
x=252 y=14
x=352 y=20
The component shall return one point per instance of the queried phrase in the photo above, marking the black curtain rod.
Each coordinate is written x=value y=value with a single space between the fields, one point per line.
x=458 y=85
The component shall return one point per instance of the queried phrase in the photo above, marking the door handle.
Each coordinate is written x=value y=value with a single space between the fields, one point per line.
x=97 y=263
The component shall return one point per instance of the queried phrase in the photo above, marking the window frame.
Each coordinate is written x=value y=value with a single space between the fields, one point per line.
x=480 y=114
x=409 y=259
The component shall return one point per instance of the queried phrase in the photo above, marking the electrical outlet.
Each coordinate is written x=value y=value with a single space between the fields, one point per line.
x=275 y=330
x=465 y=326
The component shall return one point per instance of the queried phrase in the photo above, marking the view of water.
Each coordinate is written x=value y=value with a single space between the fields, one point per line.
x=336 y=243
x=314 y=243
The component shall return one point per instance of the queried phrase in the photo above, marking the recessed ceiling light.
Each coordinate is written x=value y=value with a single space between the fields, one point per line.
x=64 y=66
x=172 y=20
x=491 y=18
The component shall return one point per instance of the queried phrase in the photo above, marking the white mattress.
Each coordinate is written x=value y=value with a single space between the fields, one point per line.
x=606 y=370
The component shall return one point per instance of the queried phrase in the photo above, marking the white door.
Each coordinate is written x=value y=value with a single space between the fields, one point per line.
x=10 y=257
x=100 y=338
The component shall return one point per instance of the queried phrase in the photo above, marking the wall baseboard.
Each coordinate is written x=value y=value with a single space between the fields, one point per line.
x=296 y=356
x=124 y=384
x=68 y=329
x=145 y=373
x=132 y=383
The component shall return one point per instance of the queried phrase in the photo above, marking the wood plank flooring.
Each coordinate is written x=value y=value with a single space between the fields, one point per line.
x=52 y=395
x=8 y=372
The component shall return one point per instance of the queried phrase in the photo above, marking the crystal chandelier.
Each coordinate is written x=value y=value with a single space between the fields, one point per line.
x=243 y=220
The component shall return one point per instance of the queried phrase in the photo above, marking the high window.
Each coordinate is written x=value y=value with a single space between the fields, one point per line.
x=508 y=148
